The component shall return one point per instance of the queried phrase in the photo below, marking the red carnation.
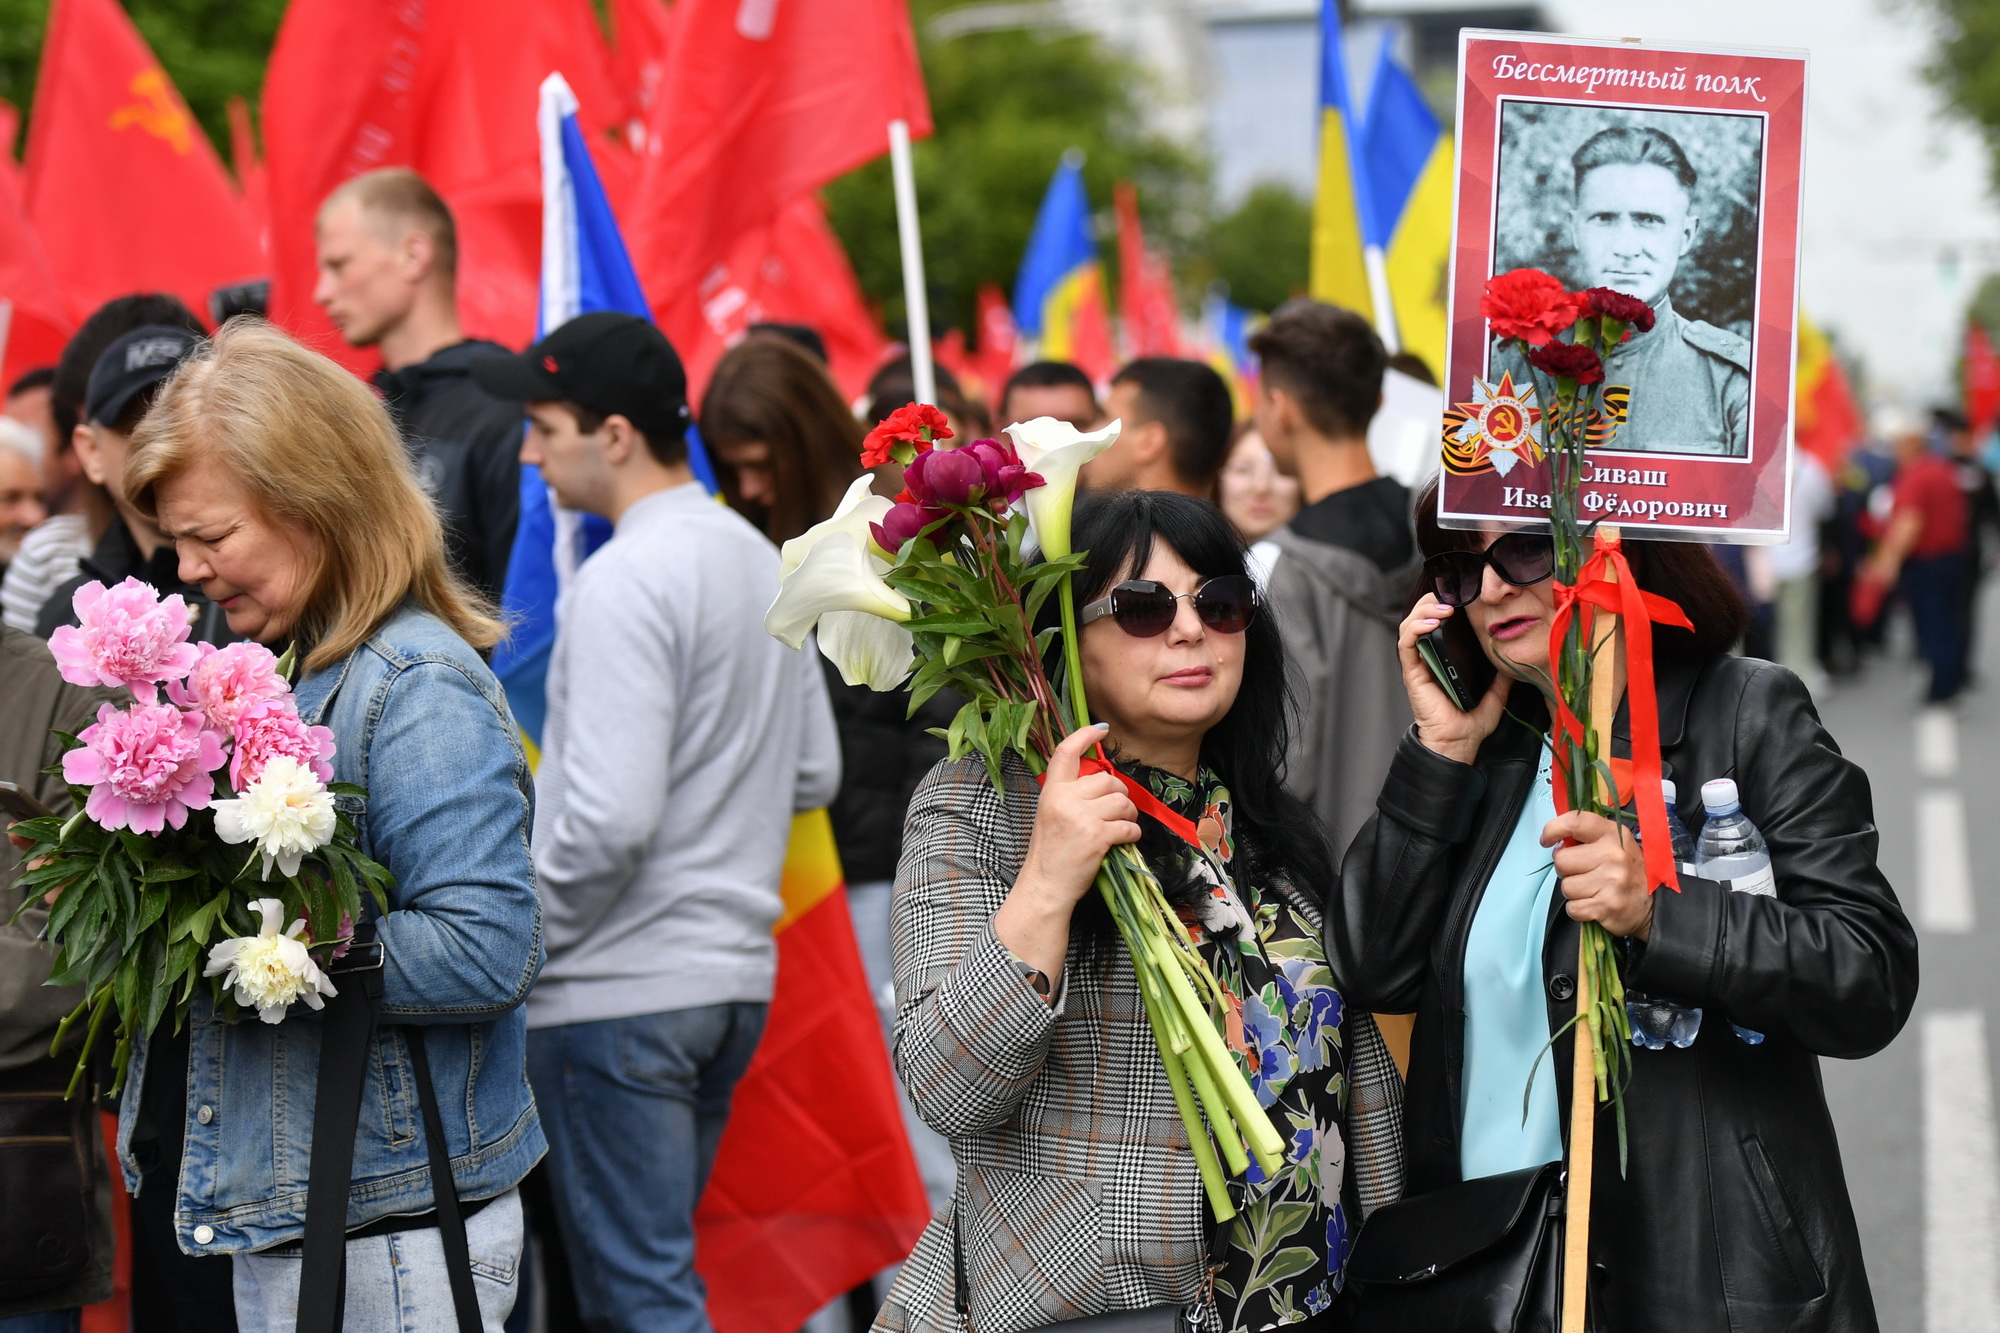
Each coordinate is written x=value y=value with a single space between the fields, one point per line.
x=905 y=433
x=1528 y=304
x=1568 y=361
x=1617 y=305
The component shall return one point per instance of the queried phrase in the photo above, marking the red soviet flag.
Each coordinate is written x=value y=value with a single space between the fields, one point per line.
x=1146 y=301
x=34 y=322
x=791 y=271
x=765 y=100
x=448 y=88
x=121 y=184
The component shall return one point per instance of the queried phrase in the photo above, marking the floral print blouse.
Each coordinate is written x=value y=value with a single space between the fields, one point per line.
x=1284 y=1251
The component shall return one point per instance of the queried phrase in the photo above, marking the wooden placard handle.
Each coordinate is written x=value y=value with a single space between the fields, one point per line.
x=1583 y=1071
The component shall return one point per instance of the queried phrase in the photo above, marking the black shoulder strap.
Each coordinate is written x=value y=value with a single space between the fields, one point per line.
x=345 y=1037
x=444 y=1190
x=348 y=1033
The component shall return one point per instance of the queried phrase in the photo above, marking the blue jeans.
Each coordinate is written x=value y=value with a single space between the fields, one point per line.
x=633 y=1109
x=44 y=1321
x=395 y=1283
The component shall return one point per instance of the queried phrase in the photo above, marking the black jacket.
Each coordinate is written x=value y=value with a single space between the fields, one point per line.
x=1734 y=1212
x=116 y=559
x=466 y=445
x=884 y=754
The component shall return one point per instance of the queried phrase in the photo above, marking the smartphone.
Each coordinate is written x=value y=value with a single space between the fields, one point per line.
x=19 y=805
x=1462 y=683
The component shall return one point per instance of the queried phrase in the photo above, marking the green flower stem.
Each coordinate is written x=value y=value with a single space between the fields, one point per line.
x=1072 y=656
x=1204 y=1153
x=1261 y=1138
x=97 y=1015
x=1218 y=1116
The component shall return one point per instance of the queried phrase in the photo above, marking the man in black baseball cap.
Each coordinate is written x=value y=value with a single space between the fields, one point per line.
x=122 y=386
x=601 y=365
x=659 y=840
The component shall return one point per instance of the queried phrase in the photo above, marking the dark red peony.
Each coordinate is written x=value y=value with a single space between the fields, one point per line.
x=1528 y=304
x=1568 y=361
x=903 y=434
x=1617 y=305
x=903 y=522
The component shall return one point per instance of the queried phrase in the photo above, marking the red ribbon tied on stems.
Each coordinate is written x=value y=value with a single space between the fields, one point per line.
x=1177 y=824
x=1597 y=589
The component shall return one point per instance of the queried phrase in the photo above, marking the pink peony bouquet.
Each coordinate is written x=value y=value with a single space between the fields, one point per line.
x=207 y=818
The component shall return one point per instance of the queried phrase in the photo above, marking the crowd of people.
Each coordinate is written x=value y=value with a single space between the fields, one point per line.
x=578 y=958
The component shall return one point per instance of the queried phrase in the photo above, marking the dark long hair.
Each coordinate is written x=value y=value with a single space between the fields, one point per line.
x=1686 y=572
x=768 y=388
x=1276 y=834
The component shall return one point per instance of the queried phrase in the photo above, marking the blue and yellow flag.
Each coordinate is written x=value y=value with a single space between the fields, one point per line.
x=1059 y=294
x=1339 y=272
x=1409 y=170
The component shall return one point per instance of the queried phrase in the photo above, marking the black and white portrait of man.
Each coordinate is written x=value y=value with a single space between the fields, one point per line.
x=1661 y=206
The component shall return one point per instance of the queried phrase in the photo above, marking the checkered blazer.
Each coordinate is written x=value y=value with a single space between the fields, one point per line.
x=1077 y=1190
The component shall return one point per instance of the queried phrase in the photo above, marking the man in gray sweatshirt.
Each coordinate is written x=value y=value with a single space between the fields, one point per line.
x=680 y=740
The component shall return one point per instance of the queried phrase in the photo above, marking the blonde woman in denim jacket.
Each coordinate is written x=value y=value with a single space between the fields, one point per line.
x=282 y=483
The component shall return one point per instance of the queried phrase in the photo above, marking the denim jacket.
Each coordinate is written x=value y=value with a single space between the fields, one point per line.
x=421 y=723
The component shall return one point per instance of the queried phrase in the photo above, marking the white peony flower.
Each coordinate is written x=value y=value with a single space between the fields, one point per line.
x=1055 y=451
x=269 y=970
x=286 y=812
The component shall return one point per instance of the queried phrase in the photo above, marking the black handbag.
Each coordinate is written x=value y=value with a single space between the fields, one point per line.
x=46 y=1160
x=1482 y=1256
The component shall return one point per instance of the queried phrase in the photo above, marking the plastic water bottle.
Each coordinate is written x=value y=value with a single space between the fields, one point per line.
x=1657 y=1021
x=1732 y=850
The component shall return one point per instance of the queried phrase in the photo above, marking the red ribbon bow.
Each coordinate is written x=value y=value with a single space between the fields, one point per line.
x=1621 y=595
x=1144 y=799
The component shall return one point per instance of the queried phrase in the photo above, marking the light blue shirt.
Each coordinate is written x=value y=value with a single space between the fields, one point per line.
x=1506 y=1006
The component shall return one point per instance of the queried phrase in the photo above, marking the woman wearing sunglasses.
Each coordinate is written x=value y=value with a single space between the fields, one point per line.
x=1461 y=899
x=1021 y=1034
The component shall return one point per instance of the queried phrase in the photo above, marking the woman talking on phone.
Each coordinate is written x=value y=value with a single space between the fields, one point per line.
x=1461 y=900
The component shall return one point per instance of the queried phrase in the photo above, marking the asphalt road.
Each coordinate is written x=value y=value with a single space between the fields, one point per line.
x=1916 y=1121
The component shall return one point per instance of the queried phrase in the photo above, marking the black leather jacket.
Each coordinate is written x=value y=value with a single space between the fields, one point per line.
x=1733 y=1212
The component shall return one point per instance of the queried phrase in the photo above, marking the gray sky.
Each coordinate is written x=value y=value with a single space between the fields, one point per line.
x=1900 y=225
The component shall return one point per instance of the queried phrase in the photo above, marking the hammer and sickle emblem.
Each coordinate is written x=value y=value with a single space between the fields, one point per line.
x=156 y=112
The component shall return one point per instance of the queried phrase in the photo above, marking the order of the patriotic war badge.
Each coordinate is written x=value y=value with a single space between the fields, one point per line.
x=1500 y=427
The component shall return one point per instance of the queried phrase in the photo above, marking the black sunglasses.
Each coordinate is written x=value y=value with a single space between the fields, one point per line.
x=1226 y=604
x=1521 y=558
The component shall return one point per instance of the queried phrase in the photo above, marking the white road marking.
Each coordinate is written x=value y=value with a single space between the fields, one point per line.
x=1944 y=871
x=1961 y=1177
x=1937 y=743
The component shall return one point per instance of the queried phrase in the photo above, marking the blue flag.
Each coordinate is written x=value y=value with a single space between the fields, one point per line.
x=585 y=267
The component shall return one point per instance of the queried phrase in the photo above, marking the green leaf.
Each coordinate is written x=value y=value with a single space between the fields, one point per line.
x=951 y=624
x=1287 y=1264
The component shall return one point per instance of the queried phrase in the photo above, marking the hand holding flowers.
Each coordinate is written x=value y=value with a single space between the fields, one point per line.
x=145 y=874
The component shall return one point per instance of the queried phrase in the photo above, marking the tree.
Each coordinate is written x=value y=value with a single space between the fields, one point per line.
x=1006 y=105
x=211 y=49
x=1965 y=65
x=1262 y=249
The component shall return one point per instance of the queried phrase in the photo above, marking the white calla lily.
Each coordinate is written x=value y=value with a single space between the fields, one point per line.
x=836 y=573
x=868 y=650
x=856 y=510
x=1056 y=451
